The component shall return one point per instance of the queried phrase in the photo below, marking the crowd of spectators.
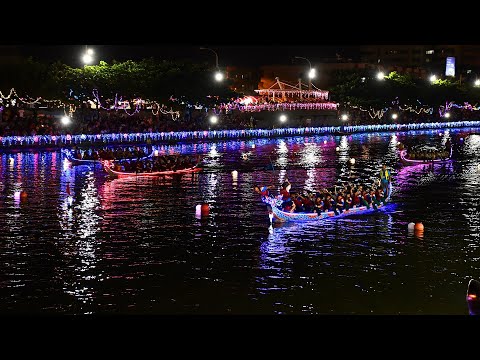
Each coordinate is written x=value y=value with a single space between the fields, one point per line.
x=29 y=122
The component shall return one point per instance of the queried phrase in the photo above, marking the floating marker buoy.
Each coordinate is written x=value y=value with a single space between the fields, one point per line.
x=23 y=195
x=352 y=161
x=11 y=160
x=156 y=153
x=324 y=141
x=67 y=190
x=253 y=146
x=205 y=209
x=411 y=226
x=337 y=148
x=419 y=227
x=234 y=173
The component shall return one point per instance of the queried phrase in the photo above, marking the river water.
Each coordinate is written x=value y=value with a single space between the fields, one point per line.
x=136 y=246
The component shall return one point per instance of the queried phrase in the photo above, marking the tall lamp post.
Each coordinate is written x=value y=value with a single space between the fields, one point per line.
x=218 y=74
x=311 y=72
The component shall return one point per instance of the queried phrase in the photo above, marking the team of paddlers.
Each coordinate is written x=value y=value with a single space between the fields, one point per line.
x=338 y=199
x=427 y=153
x=158 y=164
x=109 y=154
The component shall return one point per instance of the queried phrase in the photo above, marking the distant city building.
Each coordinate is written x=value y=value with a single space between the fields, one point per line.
x=431 y=58
x=244 y=79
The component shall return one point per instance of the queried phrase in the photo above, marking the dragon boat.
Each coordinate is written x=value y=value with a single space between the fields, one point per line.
x=284 y=216
x=406 y=161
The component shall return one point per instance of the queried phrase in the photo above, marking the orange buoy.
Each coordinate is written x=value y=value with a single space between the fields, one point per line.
x=419 y=227
x=23 y=195
x=205 y=209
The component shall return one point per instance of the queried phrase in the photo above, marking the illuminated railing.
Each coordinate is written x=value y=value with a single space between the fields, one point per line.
x=283 y=107
x=62 y=140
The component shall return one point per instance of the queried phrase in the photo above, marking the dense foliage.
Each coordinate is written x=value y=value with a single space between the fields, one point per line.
x=147 y=79
x=362 y=88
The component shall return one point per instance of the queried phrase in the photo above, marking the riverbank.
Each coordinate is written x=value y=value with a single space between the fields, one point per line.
x=43 y=142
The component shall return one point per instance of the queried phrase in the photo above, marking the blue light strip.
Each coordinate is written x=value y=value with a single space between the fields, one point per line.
x=56 y=140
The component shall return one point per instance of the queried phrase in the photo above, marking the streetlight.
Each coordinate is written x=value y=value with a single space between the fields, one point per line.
x=394 y=116
x=311 y=72
x=87 y=58
x=380 y=75
x=283 y=118
x=65 y=120
x=218 y=74
x=447 y=115
x=477 y=82
x=213 y=119
x=344 y=117
x=433 y=78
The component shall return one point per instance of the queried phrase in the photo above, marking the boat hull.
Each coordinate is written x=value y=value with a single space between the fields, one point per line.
x=283 y=216
x=120 y=174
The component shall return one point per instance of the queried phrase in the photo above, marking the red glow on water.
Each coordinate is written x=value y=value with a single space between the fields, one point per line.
x=472 y=296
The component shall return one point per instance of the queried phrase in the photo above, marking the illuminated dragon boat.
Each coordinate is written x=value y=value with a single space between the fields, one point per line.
x=407 y=161
x=284 y=216
x=108 y=166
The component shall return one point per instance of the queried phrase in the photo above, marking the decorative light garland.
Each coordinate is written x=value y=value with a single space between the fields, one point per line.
x=418 y=112
x=175 y=114
x=69 y=139
x=372 y=112
x=448 y=105
x=13 y=92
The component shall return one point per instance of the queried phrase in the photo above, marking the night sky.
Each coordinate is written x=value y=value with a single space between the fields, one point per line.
x=241 y=55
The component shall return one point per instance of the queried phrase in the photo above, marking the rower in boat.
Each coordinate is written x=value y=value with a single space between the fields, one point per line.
x=263 y=190
x=385 y=179
x=448 y=146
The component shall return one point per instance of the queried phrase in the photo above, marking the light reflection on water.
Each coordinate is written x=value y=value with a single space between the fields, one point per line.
x=135 y=245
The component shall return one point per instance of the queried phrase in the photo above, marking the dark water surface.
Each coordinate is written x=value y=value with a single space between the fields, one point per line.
x=135 y=245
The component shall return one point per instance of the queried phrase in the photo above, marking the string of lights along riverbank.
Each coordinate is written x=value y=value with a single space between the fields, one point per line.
x=68 y=139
